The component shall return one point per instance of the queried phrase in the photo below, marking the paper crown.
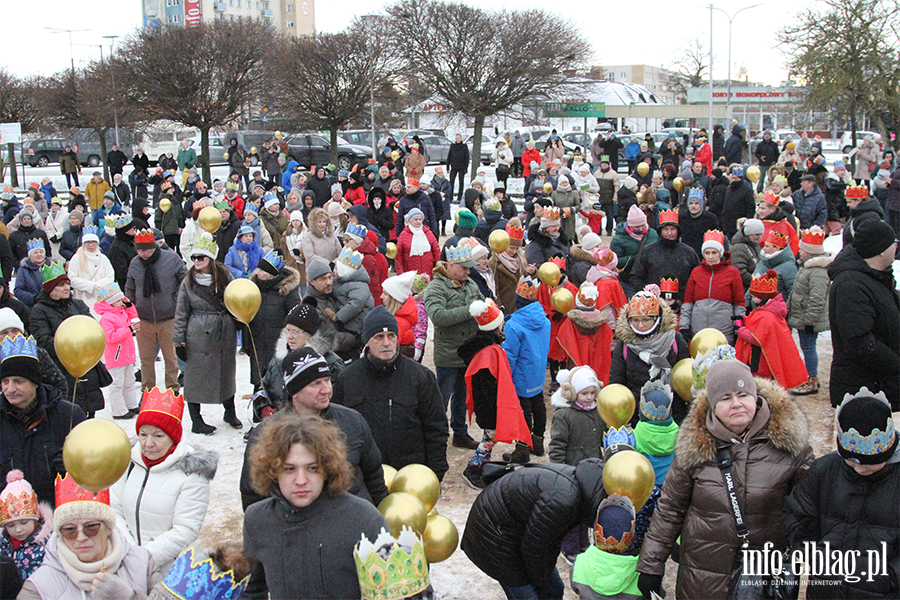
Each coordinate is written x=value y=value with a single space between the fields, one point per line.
x=356 y=230
x=515 y=233
x=413 y=182
x=702 y=363
x=780 y=180
x=738 y=171
x=107 y=292
x=222 y=205
x=623 y=436
x=528 y=288
x=251 y=207
x=144 y=236
x=559 y=261
x=164 y=401
x=269 y=198
x=607 y=540
x=459 y=254
x=859 y=192
x=877 y=442
x=35 y=244
x=764 y=283
x=587 y=295
x=198 y=204
x=91 y=230
x=551 y=213
x=350 y=258
x=18 y=499
x=714 y=235
x=192 y=576
x=487 y=314
x=604 y=158
x=769 y=197
x=274 y=259
x=123 y=220
x=109 y=221
x=667 y=285
x=775 y=238
x=403 y=574
x=643 y=304
x=68 y=492
x=812 y=238
x=668 y=217
x=695 y=194
x=205 y=244
x=50 y=271
x=18 y=345
x=654 y=411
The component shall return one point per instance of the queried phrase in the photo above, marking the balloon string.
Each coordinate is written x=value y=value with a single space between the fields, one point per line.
x=72 y=412
x=255 y=355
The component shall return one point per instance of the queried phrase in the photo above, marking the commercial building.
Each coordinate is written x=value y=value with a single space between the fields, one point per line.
x=292 y=17
x=655 y=79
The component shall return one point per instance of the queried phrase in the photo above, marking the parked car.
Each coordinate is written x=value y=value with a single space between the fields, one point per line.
x=779 y=136
x=165 y=137
x=486 y=148
x=40 y=153
x=437 y=147
x=251 y=140
x=310 y=149
x=88 y=146
x=847 y=139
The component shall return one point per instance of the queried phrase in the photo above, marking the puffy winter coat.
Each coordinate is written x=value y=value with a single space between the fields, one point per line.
x=867 y=155
x=354 y=298
x=279 y=295
x=664 y=259
x=419 y=200
x=580 y=262
x=541 y=247
x=116 y=323
x=89 y=272
x=93 y=193
x=766 y=153
x=162 y=508
x=744 y=257
x=570 y=199
x=864 y=314
x=316 y=244
x=506 y=281
x=835 y=505
x=808 y=303
x=18 y=240
x=421 y=264
x=769 y=461
x=401 y=402
x=447 y=303
x=714 y=294
x=70 y=242
x=415 y=165
x=810 y=209
x=626 y=247
x=783 y=264
x=493 y=221
x=160 y=306
x=527 y=345
x=867 y=209
x=517 y=524
x=733 y=146
x=29 y=282
x=693 y=228
x=739 y=202
x=407 y=319
x=575 y=434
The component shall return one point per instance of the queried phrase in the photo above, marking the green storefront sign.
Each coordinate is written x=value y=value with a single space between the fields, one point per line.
x=575 y=109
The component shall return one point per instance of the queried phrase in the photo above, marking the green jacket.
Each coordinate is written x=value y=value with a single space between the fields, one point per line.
x=808 y=303
x=626 y=246
x=598 y=574
x=447 y=303
x=574 y=434
x=276 y=225
x=171 y=221
x=186 y=158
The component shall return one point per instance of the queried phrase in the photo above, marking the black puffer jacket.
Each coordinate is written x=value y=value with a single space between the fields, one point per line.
x=664 y=258
x=864 y=315
x=493 y=221
x=120 y=256
x=867 y=209
x=835 y=505
x=71 y=242
x=225 y=235
x=738 y=203
x=693 y=228
x=541 y=247
x=18 y=240
x=401 y=402
x=517 y=524
x=279 y=295
x=626 y=199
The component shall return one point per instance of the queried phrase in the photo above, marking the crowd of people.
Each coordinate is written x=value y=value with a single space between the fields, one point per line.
x=598 y=279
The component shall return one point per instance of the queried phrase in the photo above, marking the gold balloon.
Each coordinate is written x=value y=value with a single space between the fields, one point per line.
x=421 y=482
x=562 y=300
x=753 y=173
x=253 y=150
x=629 y=473
x=682 y=377
x=678 y=184
x=389 y=474
x=225 y=155
x=165 y=205
x=401 y=509
x=498 y=241
x=96 y=453
x=643 y=168
x=616 y=405
x=210 y=219
x=440 y=539
x=706 y=339
x=278 y=135
x=433 y=512
x=390 y=250
x=549 y=274
x=79 y=343
x=242 y=299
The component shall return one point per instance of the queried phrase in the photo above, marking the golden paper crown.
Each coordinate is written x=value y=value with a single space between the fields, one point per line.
x=403 y=574
x=643 y=304
x=551 y=213
x=528 y=288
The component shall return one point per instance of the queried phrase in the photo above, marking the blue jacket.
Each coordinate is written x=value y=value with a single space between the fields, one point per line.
x=632 y=150
x=286 y=177
x=811 y=209
x=234 y=260
x=101 y=212
x=527 y=346
x=28 y=282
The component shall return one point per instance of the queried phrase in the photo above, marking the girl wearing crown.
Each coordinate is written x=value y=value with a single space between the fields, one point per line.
x=119 y=317
x=587 y=332
x=777 y=256
x=509 y=266
x=715 y=292
x=774 y=218
x=26 y=524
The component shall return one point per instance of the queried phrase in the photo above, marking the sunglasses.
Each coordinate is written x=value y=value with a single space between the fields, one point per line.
x=199 y=258
x=70 y=532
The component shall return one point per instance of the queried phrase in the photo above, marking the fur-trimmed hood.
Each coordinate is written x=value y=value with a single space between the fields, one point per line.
x=587 y=321
x=576 y=252
x=41 y=535
x=820 y=261
x=787 y=429
x=202 y=462
x=289 y=282
x=624 y=332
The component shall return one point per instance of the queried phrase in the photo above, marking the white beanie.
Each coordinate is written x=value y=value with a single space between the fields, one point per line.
x=297 y=216
x=712 y=244
x=753 y=227
x=399 y=287
x=590 y=241
x=579 y=378
x=630 y=183
x=9 y=318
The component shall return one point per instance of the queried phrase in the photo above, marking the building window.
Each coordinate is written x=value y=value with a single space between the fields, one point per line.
x=623 y=72
x=288 y=8
x=238 y=3
x=290 y=24
x=230 y=2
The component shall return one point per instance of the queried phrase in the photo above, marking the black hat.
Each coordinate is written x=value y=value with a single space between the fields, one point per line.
x=305 y=316
x=379 y=319
x=789 y=164
x=872 y=237
x=865 y=429
x=301 y=367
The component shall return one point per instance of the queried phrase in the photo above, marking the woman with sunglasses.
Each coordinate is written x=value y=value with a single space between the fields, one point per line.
x=205 y=336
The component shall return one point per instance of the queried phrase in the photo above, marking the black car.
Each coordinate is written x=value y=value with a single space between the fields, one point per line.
x=311 y=149
x=40 y=153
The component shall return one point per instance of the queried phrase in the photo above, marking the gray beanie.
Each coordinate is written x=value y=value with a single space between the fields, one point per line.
x=317 y=268
x=753 y=227
x=727 y=376
x=109 y=196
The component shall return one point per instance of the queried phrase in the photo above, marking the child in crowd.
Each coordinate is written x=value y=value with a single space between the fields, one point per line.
x=608 y=568
x=244 y=255
x=26 y=524
x=509 y=266
x=119 y=320
x=420 y=331
x=398 y=300
x=587 y=332
x=778 y=256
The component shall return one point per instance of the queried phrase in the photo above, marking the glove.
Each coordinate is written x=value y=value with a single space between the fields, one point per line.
x=417 y=355
x=810 y=329
x=650 y=583
x=107 y=586
x=181 y=352
x=556 y=316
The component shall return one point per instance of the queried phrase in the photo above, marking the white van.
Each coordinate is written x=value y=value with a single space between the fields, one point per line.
x=164 y=137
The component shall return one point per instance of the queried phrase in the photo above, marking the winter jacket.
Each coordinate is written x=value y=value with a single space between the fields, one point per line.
x=279 y=294
x=275 y=225
x=29 y=554
x=316 y=244
x=421 y=264
x=811 y=209
x=541 y=247
x=242 y=259
x=575 y=434
x=419 y=200
x=835 y=189
x=626 y=247
x=159 y=307
x=447 y=302
x=458 y=157
x=286 y=176
x=739 y=202
x=852 y=513
x=864 y=315
x=745 y=255
x=93 y=193
x=415 y=165
x=766 y=153
x=98 y=216
x=443 y=187
x=865 y=158
x=713 y=296
x=170 y=222
x=401 y=388
x=121 y=253
x=599 y=575
x=18 y=240
x=783 y=264
x=867 y=209
x=89 y=272
x=527 y=345
x=664 y=259
x=808 y=303
x=70 y=242
x=116 y=324
x=68 y=162
x=528 y=157
x=407 y=319
x=733 y=146
x=207 y=329
x=55 y=224
x=554 y=152
x=355 y=299
x=517 y=524
x=771 y=459
x=493 y=221
x=162 y=508
x=694 y=228
x=506 y=281
x=580 y=262
x=29 y=282
x=186 y=158
x=34 y=446
x=307 y=553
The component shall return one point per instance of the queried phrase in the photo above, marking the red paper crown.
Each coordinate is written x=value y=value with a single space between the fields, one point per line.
x=813 y=238
x=67 y=490
x=643 y=304
x=551 y=213
x=489 y=314
x=770 y=198
x=144 y=236
x=515 y=233
x=776 y=239
x=859 y=192
x=668 y=285
x=163 y=401
x=668 y=217
x=559 y=261
x=528 y=288
x=411 y=181
x=713 y=235
x=765 y=284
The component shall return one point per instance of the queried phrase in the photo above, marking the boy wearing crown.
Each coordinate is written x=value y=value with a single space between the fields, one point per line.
x=774 y=218
x=351 y=288
x=715 y=292
x=667 y=257
x=587 y=332
x=608 y=569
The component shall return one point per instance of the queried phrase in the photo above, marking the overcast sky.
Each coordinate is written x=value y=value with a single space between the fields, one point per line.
x=622 y=32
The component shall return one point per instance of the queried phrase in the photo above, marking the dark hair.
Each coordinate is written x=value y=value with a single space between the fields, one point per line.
x=220 y=278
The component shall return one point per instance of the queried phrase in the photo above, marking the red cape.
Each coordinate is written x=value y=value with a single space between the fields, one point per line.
x=588 y=350
x=784 y=227
x=780 y=359
x=543 y=296
x=511 y=425
x=611 y=294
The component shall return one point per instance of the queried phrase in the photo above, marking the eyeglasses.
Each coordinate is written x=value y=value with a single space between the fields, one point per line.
x=70 y=532
x=199 y=258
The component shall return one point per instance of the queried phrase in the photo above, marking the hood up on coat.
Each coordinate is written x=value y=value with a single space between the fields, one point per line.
x=668 y=322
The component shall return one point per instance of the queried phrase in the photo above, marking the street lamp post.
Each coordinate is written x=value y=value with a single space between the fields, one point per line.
x=70 y=32
x=112 y=40
x=370 y=21
x=710 y=130
x=730 y=22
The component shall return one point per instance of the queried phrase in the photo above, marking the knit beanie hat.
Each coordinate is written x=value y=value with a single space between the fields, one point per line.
x=75 y=502
x=414 y=212
x=466 y=219
x=335 y=210
x=753 y=227
x=590 y=241
x=377 y=321
x=630 y=183
x=573 y=382
x=614 y=527
x=10 y=320
x=656 y=403
x=305 y=316
x=636 y=218
x=301 y=367
x=297 y=216
x=872 y=237
x=726 y=377
x=865 y=428
x=162 y=409
x=398 y=287
x=317 y=268
x=19 y=358
x=18 y=500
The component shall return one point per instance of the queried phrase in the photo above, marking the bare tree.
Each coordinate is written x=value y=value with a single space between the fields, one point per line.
x=483 y=62
x=17 y=105
x=690 y=68
x=198 y=76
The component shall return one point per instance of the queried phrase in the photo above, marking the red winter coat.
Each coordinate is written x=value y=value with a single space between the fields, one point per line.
x=527 y=157
x=704 y=155
x=543 y=296
x=420 y=264
x=585 y=337
x=356 y=196
x=713 y=295
x=407 y=318
x=767 y=329
x=375 y=264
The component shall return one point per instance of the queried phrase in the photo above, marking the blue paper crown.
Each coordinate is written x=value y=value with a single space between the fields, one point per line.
x=459 y=254
x=695 y=193
x=877 y=442
x=622 y=436
x=123 y=219
x=269 y=197
x=738 y=171
x=351 y=258
x=90 y=230
x=274 y=259
x=192 y=579
x=108 y=291
x=252 y=206
x=359 y=231
x=18 y=346
x=35 y=244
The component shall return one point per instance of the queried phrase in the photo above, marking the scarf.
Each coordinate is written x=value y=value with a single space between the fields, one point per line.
x=152 y=463
x=636 y=236
x=653 y=351
x=419 y=245
x=151 y=283
x=244 y=252
x=488 y=275
x=204 y=279
x=510 y=262
x=586 y=407
x=83 y=574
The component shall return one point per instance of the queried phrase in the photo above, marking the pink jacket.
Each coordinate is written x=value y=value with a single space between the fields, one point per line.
x=116 y=323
